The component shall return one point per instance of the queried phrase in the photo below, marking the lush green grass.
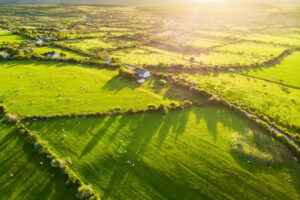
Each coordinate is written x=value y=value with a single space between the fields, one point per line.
x=35 y=88
x=8 y=37
x=203 y=43
x=97 y=44
x=189 y=154
x=255 y=49
x=142 y=56
x=277 y=101
x=69 y=54
x=274 y=39
x=287 y=71
x=30 y=179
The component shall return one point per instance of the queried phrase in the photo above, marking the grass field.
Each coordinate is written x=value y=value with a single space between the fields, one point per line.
x=49 y=88
x=22 y=176
x=287 y=71
x=143 y=56
x=8 y=37
x=152 y=156
x=277 y=101
x=97 y=44
x=274 y=39
x=247 y=48
x=69 y=54
x=203 y=43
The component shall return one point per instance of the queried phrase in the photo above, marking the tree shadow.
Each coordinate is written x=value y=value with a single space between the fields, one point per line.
x=118 y=83
x=97 y=137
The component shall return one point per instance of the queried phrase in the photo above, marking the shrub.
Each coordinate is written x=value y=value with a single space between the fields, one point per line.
x=163 y=109
x=118 y=109
x=11 y=117
x=151 y=106
x=172 y=104
x=3 y=110
x=85 y=192
x=162 y=82
x=127 y=73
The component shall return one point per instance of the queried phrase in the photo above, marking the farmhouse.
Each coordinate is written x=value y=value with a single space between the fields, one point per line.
x=107 y=60
x=53 y=55
x=63 y=28
x=88 y=23
x=5 y=55
x=142 y=72
x=39 y=41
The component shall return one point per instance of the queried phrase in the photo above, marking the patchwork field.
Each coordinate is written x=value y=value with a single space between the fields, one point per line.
x=22 y=176
x=138 y=57
x=8 y=37
x=69 y=54
x=37 y=88
x=287 y=71
x=98 y=44
x=277 y=101
x=162 y=104
x=151 y=156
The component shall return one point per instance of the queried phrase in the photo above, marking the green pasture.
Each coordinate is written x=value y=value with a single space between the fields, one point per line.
x=277 y=101
x=9 y=37
x=143 y=56
x=69 y=54
x=152 y=156
x=97 y=44
x=24 y=174
x=274 y=39
x=37 y=88
x=203 y=43
x=255 y=49
x=287 y=71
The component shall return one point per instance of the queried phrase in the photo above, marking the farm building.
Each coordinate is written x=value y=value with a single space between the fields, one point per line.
x=88 y=23
x=107 y=60
x=39 y=41
x=142 y=72
x=53 y=55
x=63 y=28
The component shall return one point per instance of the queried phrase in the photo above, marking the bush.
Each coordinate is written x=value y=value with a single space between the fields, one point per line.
x=85 y=192
x=3 y=110
x=163 y=109
x=162 y=82
x=118 y=109
x=127 y=73
x=11 y=117
x=151 y=106
x=173 y=104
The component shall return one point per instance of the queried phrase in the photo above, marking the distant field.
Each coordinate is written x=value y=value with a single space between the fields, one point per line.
x=35 y=88
x=274 y=39
x=203 y=43
x=69 y=54
x=288 y=71
x=8 y=37
x=279 y=102
x=247 y=48
x=142 y=56
x=152 y=156
x=21 y=174
x=97 y=44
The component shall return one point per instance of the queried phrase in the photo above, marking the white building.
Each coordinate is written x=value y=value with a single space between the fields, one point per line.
x=39 y=41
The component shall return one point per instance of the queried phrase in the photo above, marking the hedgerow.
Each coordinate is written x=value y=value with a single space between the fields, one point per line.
x=42 y=148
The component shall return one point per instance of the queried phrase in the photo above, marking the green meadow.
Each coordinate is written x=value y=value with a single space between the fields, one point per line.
x=9 y=37
x=69 y=54
x=45 y=88
x=24 y=174
x=152 y=156
x=287 y=71
x=275 y=100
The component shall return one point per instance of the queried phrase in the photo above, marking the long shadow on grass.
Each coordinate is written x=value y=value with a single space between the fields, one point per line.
x=118 y=83
x=97 y=137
